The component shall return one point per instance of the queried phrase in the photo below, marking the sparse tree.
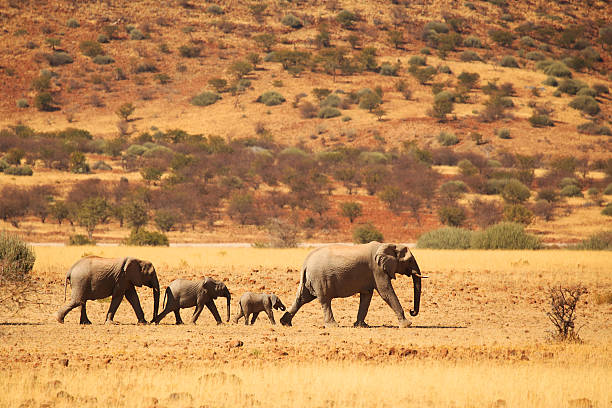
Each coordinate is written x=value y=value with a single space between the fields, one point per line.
x=91 y=213
x=125 y=111
x=351 y=210
x=563 y=303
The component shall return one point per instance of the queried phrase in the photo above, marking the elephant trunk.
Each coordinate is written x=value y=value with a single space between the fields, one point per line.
x=228 y=296
x=416 y=281
x=155 y=286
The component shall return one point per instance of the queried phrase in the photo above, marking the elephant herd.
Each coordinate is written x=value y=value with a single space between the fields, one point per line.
x=328 y=272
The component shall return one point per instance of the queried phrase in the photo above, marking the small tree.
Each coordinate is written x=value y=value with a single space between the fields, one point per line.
x=53 y=42
x=135 y=213
x=351 y=210
x=396 y=39
x=562 y=314
x=364 y=233
x=165 y=220
x=240 y=68
x=125 y=111
x=93 y=212
x=265 y=41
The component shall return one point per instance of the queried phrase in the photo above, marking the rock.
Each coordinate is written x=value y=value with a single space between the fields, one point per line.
x=581 y=403
x=500 y=403
x=64 y=362
x=64 y=395
x=175 y=396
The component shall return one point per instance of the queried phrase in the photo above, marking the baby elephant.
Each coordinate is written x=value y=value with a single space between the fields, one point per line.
x=183 y=293
x=253 y=303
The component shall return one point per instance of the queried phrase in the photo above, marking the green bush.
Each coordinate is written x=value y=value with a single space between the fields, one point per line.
x=189 y=51
x=571 y=190
x=205 y=98
x=607 y=210
x=364 y=233
x=16 y=258
x=19 y=171
x=509 y=61
x=593 y=128
x=608 y=189
x=58 y=58
x=292 y=21
x=4 y=165
x=551 y=81
x=554 y=68
x=505 y=235
x=79 y=239
x=388 y=69
x=472 y=42
x=417 y=60
x=571 y=86
x=469 y=55
x=587 y=92
x=446 y=238
x=328 y=112
x=91 y=48
x=447 y=139
x=527 y=41
x=518 y=213
x=103 y=60
x=444 y=69
x=502 y=37
x=540 y=120
x=535 y=56
x=601 y=241
x=103 y=38
x=346 y=18
x=586 y=104
x=271 y=98
x=515 y=192
x=142 y=237
x=136 y=34
x=452 y=215
x=215 y=9
x=503 y=133
x=332 y=100
x=22 y=103
x=72 y=23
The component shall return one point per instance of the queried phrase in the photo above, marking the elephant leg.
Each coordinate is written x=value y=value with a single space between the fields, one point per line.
x=132 y=297
x=61 y=314
x=302 y=298
x=385 y=290
x=115 y=302
x=254 y=318
x=270 y=314
x=328 y=315
x=161 y=315
x=84 y=319
x=364 y=304
x=177 y=315
x=247 y=314
x=213 y=309
x=196 y=313
x=238 y=316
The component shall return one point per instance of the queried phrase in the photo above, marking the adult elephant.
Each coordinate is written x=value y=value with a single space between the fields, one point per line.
x=93 y=277
x=341 y=271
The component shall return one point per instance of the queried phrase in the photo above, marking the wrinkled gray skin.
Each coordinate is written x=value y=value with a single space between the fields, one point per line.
x=94 y=277
x=255 y=303
x=341 y=271
x=183 y=293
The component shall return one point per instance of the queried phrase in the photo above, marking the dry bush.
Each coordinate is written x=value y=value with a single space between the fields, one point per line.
x=562 y=314
x=16 y=263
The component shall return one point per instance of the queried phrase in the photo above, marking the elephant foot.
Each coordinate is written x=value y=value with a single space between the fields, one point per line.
x=59 y=318
x=178 y=323
x=331 y=324
x=286 y=319
x=112 y=322
x=405 y=323
x=142 y=322
x=85 y=322
x=361 y=324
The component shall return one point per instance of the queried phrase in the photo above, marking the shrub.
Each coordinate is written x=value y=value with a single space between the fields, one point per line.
x=601 y=241
x=388 y=69
x=364 y=233
x=328 y=112
x=19 y=171
x=331 y=101
x=346 y=18
x=447 y=139
x=452 y=215
x=503 y=133
x=351 y=210
x=22 y=103
x=446 y=238
x=292 y=21
x=205 y=98
x=607 y=210
x=165 y=219
x=467 y=168
x=535 y=56
x=586 y=104
x=587 y=92
x=417 y=60
x=219 y=84
x=505 y=235
x=16 y=258
x=91 y=48
x=554 y=68
x=58 y=58
x=601 y=89
x=571 y=86
x=103 y=60
x=72 y=23
x=469 y=55
x=145 y=66
x=424 y=75
x=369 y=100
x=271 y=98
x=518 y=213
x=571 y=190
x=101 y=165
x=189 y=51
x=515 y=192
x=308 y=110
x=136 y=34
x=593 y=128
x=215 y=9
x=608 y=189
x=142 y=237
x=502 y=37
x=551 y=81
x=472 y=42
x=444 y=69
x=509 y=61
x=527 y=41
x=103 y=38
x=540 y=120
x=563 y=303
x=79 y=239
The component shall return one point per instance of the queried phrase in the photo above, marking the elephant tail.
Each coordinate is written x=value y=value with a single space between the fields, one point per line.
x=165 y=295
x=66 y=282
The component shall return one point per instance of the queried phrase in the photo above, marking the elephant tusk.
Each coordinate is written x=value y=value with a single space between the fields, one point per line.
x=418 y=275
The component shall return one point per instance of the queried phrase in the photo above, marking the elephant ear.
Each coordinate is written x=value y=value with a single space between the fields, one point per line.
x=209 y=287
x=386 y=258
x=273 y=300
x=133 y=271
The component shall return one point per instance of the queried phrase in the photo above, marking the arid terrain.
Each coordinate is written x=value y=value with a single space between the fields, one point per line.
x=480 y=340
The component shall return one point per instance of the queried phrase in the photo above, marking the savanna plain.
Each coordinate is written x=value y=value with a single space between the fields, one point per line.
x=480 y=340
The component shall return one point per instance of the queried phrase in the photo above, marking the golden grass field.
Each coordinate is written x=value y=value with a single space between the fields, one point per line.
x=480 y=340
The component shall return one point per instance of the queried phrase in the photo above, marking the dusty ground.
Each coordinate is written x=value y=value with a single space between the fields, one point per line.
x=482 y=312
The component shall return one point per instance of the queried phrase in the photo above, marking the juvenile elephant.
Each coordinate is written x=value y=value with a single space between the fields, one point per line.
x=341 y=271
x=254 y=303
x=183 y=293
x=93 y=277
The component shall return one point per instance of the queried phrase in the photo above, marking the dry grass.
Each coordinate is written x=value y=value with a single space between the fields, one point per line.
x=479 y=341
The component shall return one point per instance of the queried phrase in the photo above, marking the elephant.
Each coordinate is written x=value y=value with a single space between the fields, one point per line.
x=183 y=293
x=341 y=271
x=254 y=303
x=93 y=277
